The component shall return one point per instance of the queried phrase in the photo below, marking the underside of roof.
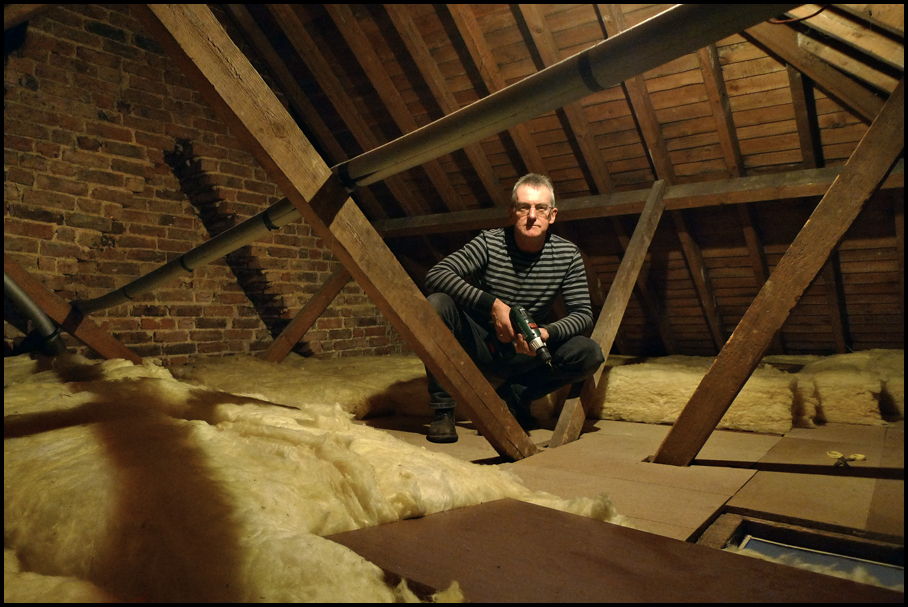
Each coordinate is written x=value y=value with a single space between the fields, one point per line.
x=747 y=133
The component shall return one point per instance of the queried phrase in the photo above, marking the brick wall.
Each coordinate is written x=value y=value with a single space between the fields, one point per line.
x=114 y=165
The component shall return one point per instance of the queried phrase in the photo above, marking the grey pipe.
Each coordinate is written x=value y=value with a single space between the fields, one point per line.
x=41 y=321
x=641 y=48
x=274 y=217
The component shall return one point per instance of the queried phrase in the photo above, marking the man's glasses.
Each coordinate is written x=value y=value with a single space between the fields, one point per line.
x=523 y=208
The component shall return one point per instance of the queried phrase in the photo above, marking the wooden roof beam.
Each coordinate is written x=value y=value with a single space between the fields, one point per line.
x=487 y=67
x=805 y=119
x=757 y=261
x=297 y=98
x=570 y=422
x=199 y=45
x=711 y=69
x=782 y=42
x=375 y=71
x=70 y=320
x=699 y=275
x=860 y=178
x=642 y=105
x=286 y=17
x=437 y=84
x=545 y=45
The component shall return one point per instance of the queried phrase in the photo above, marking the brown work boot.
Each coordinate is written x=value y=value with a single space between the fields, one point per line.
x=442 y=429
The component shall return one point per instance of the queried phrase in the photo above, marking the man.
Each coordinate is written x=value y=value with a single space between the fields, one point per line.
x=525 y=265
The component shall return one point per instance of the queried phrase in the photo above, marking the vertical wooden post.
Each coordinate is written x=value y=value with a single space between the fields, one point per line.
x=570 y=422
x=859 y=179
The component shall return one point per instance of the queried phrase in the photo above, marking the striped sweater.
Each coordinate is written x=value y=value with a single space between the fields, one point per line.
x=498 y=269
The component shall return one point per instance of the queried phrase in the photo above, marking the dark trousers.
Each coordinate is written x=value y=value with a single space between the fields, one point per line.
x=526 y=376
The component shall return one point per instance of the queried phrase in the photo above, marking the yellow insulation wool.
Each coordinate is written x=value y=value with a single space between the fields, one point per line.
x=657 y=390
x=122 y=479
x=853 y=388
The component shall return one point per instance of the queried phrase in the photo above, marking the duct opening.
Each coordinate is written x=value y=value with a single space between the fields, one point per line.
x=200 y=189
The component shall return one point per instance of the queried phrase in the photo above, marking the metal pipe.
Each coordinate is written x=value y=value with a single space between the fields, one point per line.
x=274 y=217
x=667 y=36
x=41 y=321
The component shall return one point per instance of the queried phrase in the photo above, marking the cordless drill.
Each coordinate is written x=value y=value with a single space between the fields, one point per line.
x=524 y=324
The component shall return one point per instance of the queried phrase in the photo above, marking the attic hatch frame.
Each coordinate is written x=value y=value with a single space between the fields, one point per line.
x=332 y=208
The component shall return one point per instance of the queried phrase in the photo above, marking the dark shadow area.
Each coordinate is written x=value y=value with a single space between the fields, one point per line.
x=174 y=535
x=200 y=191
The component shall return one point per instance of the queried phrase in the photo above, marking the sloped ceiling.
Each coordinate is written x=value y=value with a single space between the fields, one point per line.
x=779 y=99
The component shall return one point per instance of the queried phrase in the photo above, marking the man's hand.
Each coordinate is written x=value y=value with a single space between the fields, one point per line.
x=501 y=321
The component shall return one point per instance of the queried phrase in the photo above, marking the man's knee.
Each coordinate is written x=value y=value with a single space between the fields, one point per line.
x=581 y=354
x=445 y=308
x=442 y=302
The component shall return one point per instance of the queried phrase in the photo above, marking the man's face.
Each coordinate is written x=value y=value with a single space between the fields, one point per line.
x=532 y=224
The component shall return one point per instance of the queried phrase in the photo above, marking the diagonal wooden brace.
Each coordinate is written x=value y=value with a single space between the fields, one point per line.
x=293 y=332
x=859 y=179
x=198 y=43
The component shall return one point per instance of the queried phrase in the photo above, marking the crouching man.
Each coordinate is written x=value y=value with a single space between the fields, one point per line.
x=522 y=264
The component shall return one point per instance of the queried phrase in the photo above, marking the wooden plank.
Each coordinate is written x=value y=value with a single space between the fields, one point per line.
x=859 y=179
x=511 y=551
x=293 y=332
x=570 y=422
x=198 y=43
x=81 y=327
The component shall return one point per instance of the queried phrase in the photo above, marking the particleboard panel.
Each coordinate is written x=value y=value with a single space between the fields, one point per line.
x=510 y=551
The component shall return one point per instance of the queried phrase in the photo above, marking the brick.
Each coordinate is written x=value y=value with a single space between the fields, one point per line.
x=171 y=336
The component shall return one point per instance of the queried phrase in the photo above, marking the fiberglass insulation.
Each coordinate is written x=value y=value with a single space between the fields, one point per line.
x=121 y=481
x=858 y=388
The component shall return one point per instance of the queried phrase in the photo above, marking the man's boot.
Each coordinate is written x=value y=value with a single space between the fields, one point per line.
x=442 y=429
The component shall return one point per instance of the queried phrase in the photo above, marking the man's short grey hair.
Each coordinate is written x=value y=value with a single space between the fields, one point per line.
x=536 y=181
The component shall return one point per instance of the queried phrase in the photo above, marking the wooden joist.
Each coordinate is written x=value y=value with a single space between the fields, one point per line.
x=82 y=328
x=860 y=178
x=198 y=43
x=570 y=422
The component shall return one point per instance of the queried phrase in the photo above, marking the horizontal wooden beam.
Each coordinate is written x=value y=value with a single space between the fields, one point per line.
x=780 y=186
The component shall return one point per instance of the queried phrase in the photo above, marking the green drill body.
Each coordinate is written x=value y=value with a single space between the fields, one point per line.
x=524 y=324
